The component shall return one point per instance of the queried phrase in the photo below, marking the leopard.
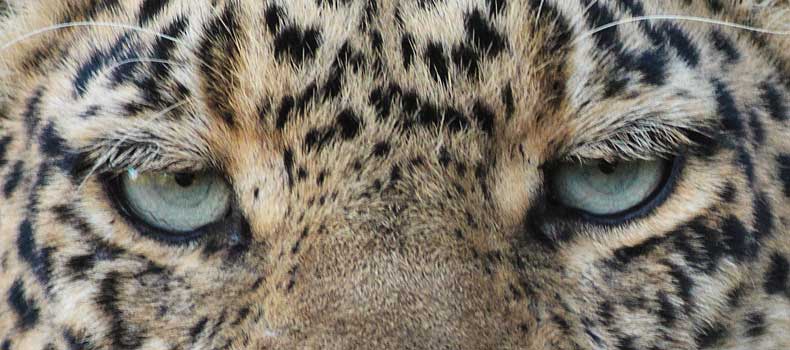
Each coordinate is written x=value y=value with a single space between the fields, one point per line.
x=395 y=174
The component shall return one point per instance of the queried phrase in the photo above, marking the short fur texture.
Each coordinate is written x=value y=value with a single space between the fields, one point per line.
x=389 y=159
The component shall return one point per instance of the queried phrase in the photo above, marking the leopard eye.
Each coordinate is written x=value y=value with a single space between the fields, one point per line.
x=176 y=202
x=608 y=188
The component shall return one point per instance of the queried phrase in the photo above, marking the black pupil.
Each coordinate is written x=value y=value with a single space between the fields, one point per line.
x=185 y=179
x=607 y=167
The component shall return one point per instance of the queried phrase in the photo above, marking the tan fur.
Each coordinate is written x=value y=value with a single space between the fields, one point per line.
x=434 y=244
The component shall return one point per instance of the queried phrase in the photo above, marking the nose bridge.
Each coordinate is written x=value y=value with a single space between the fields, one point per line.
x=415 y=259
x=368 y=250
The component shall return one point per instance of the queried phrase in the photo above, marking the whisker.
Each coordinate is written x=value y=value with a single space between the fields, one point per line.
x=540 y=9
x=679 y=18
x=87 y=24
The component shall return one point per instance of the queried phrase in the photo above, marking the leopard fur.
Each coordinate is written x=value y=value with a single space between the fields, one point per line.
x=388 y=160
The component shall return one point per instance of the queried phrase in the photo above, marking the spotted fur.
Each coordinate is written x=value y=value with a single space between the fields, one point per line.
x=388 y=160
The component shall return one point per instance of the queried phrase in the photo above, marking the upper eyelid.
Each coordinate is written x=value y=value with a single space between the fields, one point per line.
x=142 y=157
x=663 y=142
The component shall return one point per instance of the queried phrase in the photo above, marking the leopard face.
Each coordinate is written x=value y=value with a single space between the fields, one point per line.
x=385 y=174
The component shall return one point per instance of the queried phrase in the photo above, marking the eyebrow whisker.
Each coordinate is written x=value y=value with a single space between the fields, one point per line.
x=678 y=18
x=108 y=157
x=66 y=25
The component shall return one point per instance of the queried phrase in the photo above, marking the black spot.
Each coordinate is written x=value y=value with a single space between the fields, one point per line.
x=682 y=44
x=755 y=324
x=297 y=44
x=735 y=296
x=776 y=278
x=653 y=64
x=774 y=102
x=634 y=6
x=783 y=161
x=737 y=239
x=484 y=116
x=410 y=102
x=763 y=216
x=723 y=43
x=666 y=310
x=346 y=57
x=407 y=49
x=483 y=34
x=597 y=16
x=437 y=61
x=455 y=120
x=626 y=343
x=395 y=174
x=6 y=345
x=376 y=41
x=198 y=328
x=349 y=124
x=301 y=174
x=288 y=163
x=699 y=244
x=444 y=157
x=292 y=280
x=121 y=335
x=606 y=312
x=163 y=49
x=77 y=342
x=26 y=310
x=13 y=179
x=94 y=7
x=758 y=131
x=744 y=160
x=466 y=59
x=4 y=142
x=683 y=283
x=381 y=149
x=219 y=50
x=711 y=336
x=727 y=110
x=42 y=179
x=729 y=192
x=614 y=85
x=79 y=264
x=284 y=110
x=496 y=7
x=51 y=143
x=309 y=93
x=508 y=101
x=32 y=111
x=429 y=114
x=715 y=6
x=382 y=99
x=98 y=61
x=273 y=16
x=150 y=9
x=316 y=139
x=37 y=260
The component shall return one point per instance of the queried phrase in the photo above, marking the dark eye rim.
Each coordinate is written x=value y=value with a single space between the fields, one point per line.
x=675 y=167
x=113 y=187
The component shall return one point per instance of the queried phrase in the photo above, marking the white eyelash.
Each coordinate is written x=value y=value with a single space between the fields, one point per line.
x=133 y=173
